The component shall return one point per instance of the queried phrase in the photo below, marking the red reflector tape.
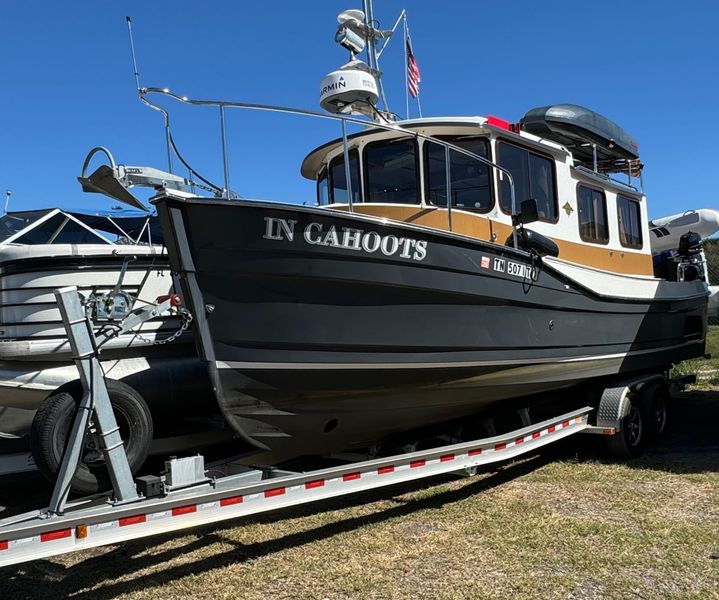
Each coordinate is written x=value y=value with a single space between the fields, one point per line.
x=417 y=463
x=474 y=452
x=551 y=428
x=535 y=435
x=518 y=441
x=351 y=476
x=55 y=535
x=132 y=520
x=565 y=424
x=500 y=447
x=3 y=545
x=446 y=458
x=314 y=484
x=183 y=510
x=385 y=470
x=231 y=501
x=274 y=492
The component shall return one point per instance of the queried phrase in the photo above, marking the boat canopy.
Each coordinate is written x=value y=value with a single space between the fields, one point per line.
x=580 y=129
x=57 y=226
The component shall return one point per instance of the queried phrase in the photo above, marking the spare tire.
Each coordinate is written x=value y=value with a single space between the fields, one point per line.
x=53 y=422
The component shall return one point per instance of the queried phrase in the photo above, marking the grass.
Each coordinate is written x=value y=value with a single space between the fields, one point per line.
x=565 y=523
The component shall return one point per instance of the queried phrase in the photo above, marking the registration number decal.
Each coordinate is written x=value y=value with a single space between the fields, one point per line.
x=520 y=270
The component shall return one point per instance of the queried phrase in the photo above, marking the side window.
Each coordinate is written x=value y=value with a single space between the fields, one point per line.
x=593 y=225
x=323 y=189
x=338 y=178
x=533 y=177
x=469 y=178
x=630 y=224
x=391 y=172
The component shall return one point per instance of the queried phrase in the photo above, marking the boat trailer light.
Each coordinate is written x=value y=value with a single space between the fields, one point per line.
x=81 y=532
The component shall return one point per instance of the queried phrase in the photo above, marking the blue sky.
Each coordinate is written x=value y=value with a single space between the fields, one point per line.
x=68 y=84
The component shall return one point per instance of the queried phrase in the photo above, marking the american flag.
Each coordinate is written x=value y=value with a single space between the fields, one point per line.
x=413 y=76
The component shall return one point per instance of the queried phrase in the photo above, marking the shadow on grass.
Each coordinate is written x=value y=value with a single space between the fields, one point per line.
x=43 y=579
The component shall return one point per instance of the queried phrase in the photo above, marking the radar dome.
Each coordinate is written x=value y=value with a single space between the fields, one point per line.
x=350 y=85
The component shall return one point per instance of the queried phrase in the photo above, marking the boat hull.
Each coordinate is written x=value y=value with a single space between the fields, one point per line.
x=325 y=330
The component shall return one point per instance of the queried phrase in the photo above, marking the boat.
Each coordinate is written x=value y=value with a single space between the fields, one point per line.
x=97 y=251
x=666 y=232
x=385 y=309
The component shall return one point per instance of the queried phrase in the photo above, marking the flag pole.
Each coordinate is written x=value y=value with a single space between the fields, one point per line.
x=406 y=74
x=408 y=38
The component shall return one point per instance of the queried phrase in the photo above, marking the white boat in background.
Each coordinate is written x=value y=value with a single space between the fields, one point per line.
x=121 y=250
x=666 y=234
x=667 y=231
x=42 y=250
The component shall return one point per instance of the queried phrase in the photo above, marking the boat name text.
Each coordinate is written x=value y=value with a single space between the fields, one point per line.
x=347 y=238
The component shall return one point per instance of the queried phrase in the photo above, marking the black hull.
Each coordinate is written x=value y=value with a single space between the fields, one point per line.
x=319 y=342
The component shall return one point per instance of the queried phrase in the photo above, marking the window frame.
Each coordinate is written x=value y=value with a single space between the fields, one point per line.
x=323 y=172
x=352 y=153
x=603 y=192
x=452 y=139
x=549 y=157
x=364 y=171
x=638 y=204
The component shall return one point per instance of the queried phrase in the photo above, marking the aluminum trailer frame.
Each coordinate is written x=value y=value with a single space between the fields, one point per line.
x=98 y=521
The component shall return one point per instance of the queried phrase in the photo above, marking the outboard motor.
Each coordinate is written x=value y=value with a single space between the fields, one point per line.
x=691 y=263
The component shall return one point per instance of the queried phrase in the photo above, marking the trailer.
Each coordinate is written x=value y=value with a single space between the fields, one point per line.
x=189 y=494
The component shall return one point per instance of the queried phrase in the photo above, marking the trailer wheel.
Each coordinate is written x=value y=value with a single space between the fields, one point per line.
x=629 y=442
x=53 y=423
x=656 y=398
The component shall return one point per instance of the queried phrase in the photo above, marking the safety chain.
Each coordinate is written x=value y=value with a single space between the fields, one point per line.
x=186 y=317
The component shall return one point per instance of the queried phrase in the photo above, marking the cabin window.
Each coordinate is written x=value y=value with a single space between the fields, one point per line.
x=338 y=178
x=323 y=189
x=469 y=178
x=533 y=177
x=630 y=223
x=593 y=226
x=391 y=172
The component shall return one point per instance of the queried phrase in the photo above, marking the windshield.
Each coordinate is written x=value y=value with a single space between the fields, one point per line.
x=12 y=223
x=52 y=226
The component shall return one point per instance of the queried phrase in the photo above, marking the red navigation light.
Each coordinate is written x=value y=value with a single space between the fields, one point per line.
x=497 y=122
x=502 y=124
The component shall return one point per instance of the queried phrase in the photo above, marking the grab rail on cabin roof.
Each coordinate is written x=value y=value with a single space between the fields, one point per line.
x=344 y=119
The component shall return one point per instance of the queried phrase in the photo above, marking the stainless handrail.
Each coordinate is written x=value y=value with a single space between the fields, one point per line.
x=396 y=127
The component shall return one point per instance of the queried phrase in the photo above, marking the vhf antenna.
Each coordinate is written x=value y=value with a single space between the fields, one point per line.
x=132 y=51
x=141 y=93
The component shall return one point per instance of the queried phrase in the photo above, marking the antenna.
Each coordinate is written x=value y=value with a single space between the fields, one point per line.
x=8 y=193
x=141 y=93
x=132 y=50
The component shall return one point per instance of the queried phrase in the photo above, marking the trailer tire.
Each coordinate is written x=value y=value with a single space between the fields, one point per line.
x=630 y=440
x=52 y=425
x=656 y=398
